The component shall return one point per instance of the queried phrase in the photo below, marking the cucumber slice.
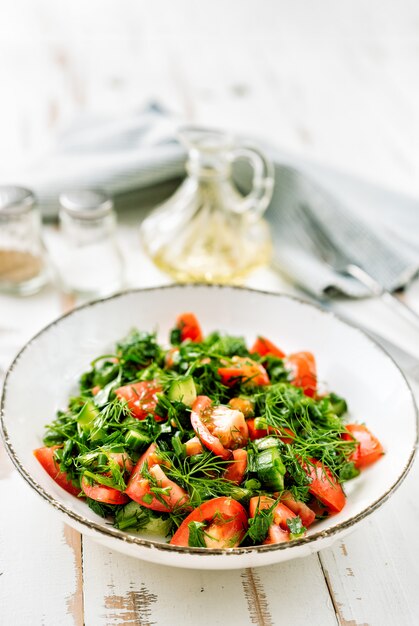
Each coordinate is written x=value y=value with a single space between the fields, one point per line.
x=87 y=416
x=270 y=469
x=183 y=390
x=266 y=442
x=135 y=440
x=135 y=517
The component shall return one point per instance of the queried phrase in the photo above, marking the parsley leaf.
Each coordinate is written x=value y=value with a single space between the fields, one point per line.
x=296 y=527
x=196 y=535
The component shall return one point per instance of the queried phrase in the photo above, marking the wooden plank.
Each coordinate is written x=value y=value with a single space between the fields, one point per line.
x=122 y=590
x=39 y=573
x=372 y=574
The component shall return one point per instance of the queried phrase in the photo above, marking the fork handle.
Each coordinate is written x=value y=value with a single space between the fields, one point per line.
x=386 y=296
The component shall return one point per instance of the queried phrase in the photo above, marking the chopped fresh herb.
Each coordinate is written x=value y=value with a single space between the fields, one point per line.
x=256 y=435
x=259 y=524
x=296 y=527
x=196 y=535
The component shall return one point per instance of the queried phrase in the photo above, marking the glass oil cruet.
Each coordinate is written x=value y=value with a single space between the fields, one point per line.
x=208 y=231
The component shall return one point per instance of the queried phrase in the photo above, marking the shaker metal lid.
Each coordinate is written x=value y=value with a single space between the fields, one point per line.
x=86 y=203
x=15 y=200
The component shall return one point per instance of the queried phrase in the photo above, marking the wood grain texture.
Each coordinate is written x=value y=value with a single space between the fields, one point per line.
x=121 y=590
x=373 y=573
x=39 y=576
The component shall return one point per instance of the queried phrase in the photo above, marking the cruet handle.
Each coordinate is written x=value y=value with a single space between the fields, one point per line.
x=256 y=201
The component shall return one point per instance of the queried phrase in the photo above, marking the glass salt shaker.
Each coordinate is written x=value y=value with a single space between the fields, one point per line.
x=23 y=264
x=90 y=263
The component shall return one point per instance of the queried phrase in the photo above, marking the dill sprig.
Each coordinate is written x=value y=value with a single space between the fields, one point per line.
x=317 y=431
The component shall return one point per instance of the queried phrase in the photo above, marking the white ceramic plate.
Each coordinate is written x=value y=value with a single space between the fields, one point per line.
x=46 y=370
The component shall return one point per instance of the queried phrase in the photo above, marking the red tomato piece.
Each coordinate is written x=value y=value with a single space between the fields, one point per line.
x=200 y=409
x=303 y=372
x=226 y=524
x=260 y=503
x=281 y=512
x=298 y=507
x=276 y=534
x=285 y=434
x=141 y=398
x=103 y=493
x=149 y=457
x=193 y=446
x=140 y=489
x=95 y=390
x=189 y=327
x=319 y=509
x=45 y=456
x=123 y=461
x=236 y=471
x=171 y=357
x=244 y=405
x=263 y=347
x=278 y=530
x=325 y=487
x=369 y=449
x=255 y=433
x=219 y=428
x=245 y=370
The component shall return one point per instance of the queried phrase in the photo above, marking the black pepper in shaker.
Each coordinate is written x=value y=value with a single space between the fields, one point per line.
x=23 y=267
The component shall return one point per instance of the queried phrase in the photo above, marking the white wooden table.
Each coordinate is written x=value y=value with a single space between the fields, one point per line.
x=51 y=575
x=337 y=82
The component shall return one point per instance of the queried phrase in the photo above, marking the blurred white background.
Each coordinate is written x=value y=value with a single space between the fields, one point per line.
x=335 y=81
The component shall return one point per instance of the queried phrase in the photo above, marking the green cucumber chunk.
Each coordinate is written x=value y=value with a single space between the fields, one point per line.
x=87 y=416
x=136 y=440
x=270 y=469
x=135 y=517
x=266 y=442
x=183 y=390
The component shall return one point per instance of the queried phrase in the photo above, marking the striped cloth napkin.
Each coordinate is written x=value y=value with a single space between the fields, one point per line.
x=379 y=229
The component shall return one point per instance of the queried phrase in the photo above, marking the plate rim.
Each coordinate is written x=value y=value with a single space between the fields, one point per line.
x=108 y=531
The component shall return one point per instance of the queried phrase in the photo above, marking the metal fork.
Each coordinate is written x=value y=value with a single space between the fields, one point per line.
x=343 y=264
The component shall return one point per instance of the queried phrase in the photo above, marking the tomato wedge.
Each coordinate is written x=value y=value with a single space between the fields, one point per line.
x=245 y=370
x=193 y=446
x=45 y=456
x=236 y=471
x=303 y=372
x=278 y=531
x=369 y=449
x=103 y=493
x=189 y=327
x=276 y=534
x=219 y=428
x=226 y=524
x=172 y=356
x=281 y=512
x=246 y=406
x=123 y=461
x=263 y=347
x=298 y=507
x=149 y=457
x=284 y=434
x=141 y=398
x=325 y=487
x=255 y=433
x=144 y=491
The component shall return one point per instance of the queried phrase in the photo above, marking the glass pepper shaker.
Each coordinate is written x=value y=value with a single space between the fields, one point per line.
x=23 y=266
x=90 y=263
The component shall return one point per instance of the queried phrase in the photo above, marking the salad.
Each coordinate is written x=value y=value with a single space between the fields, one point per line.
x=207 y=442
